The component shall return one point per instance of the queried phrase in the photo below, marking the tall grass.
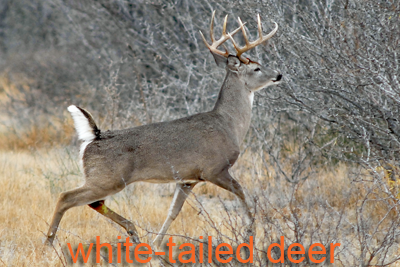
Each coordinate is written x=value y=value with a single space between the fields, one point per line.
x=31 y=181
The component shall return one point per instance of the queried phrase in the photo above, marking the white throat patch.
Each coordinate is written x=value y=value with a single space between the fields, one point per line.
x=251 y=98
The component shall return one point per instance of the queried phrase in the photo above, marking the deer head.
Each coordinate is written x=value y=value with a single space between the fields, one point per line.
x=253 y=75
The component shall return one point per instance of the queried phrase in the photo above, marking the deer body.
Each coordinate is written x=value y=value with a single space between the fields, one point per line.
x=174 y=151
x=162 y=152
x=185 y=151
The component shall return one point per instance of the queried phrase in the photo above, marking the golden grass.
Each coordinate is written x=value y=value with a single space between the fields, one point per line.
x=31 y=181
x=27 y=206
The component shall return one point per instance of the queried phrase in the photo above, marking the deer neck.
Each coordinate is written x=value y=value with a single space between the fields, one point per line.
x=234 y=105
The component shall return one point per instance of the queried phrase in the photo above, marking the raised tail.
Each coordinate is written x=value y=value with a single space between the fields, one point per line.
x=84 y=124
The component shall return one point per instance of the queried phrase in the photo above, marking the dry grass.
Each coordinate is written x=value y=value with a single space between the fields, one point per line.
x=29 y=184
x=31 y=181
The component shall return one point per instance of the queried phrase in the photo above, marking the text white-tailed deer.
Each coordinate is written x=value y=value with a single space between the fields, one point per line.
x=186 y=151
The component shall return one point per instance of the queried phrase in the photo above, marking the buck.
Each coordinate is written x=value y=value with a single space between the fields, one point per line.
x=186 y=151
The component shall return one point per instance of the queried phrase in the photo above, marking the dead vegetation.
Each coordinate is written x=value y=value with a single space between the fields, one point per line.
x=327 y=209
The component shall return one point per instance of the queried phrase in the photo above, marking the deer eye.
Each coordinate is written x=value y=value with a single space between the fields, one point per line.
x=257 y=69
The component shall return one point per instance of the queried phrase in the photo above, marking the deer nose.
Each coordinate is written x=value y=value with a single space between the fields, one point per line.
x=279 y=77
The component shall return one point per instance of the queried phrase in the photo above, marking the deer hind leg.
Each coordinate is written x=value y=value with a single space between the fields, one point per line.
x=181 y=193
x=101 y=208
x=73 y=198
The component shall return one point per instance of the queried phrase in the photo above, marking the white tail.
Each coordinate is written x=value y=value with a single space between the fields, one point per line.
x=84 y=123
x=199 y=148
x=85 y=127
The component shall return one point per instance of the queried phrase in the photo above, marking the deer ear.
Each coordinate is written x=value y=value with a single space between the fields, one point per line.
x=220 y=60
x=233 y=63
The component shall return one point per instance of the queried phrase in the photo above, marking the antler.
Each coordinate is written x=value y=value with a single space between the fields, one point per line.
x=249 y=45
x=213 y=47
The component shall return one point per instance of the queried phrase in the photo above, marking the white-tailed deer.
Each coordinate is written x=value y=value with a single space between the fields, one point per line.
x=186 y=151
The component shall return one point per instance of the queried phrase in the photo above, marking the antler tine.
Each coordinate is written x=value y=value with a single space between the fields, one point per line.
x=272 y=33
x=259 y=25
x=243 y=31
x=249 y=45
x=212 y=27
x=225 y=36
x=224 y=25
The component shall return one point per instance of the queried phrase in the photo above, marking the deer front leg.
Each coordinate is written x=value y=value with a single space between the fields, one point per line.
x=101 y=208
x=227 y=182
x=181 y=193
